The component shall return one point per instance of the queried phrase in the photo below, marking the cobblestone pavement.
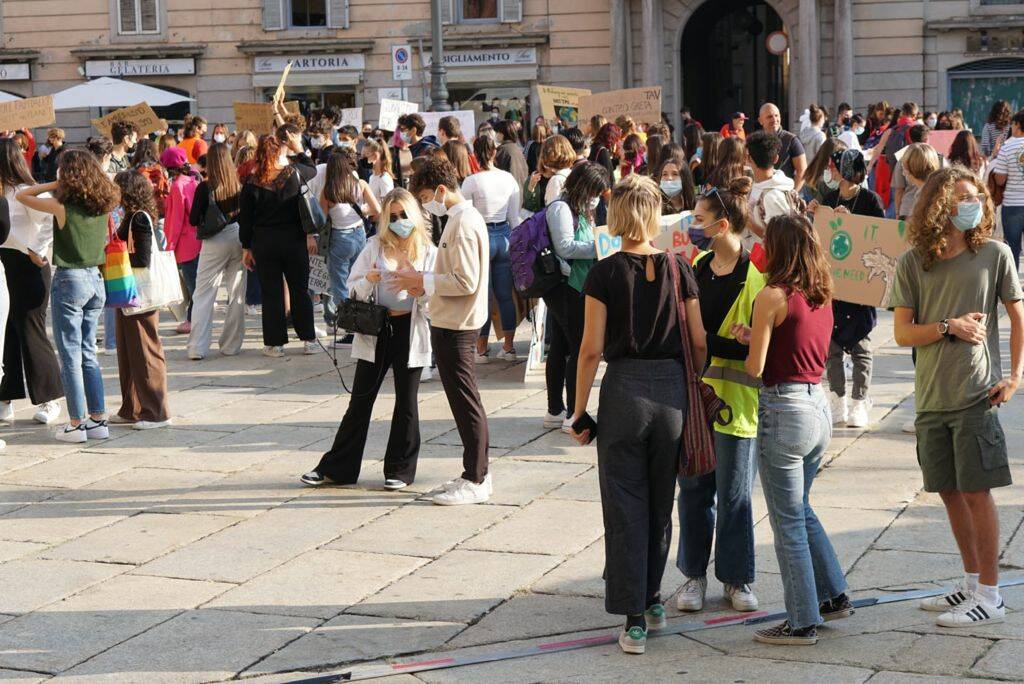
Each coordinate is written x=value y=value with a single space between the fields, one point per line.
x=193 y=554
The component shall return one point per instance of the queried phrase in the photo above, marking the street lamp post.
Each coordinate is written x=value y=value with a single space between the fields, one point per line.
x=438 y=80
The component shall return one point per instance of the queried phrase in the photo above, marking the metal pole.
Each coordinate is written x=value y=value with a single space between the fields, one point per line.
x=438 y=81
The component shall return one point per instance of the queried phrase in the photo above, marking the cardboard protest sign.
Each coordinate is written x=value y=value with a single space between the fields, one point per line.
x=675 y=236
x=390 y=110
x=142 y=115
x=279 y=93
x=561 y=104
x=30 y=112
x=862 y=251
x=942 y=141
x=643 y=104
x=257 y=117
x=352 y=116
x=292 y=107
x=467 y=120
x=606 y=244
x=319 y=276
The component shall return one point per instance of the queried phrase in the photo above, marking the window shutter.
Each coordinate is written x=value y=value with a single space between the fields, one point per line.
x=273 y=15
x=337 y=14
x=127 y=22
x=510 y=11
x=150 y=21
x=447 y=11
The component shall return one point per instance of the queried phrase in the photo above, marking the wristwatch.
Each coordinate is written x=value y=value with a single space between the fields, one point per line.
x=944 y=330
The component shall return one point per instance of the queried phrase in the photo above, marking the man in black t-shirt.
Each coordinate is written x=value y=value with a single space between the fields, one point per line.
x=792 y=157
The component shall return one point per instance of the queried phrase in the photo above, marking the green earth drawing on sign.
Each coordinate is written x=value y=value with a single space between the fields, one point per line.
x=841 y=245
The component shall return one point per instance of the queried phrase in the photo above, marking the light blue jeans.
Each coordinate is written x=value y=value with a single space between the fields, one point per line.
x=344 y=250
x=794 y=429
x=1013 y=228
x=76 y=299
x=500 y=283
x=109 y=332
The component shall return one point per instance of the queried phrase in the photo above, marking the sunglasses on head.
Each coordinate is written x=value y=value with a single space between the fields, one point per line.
x=706 y=195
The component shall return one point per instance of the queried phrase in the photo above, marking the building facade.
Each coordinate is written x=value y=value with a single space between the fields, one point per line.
x=715 y=56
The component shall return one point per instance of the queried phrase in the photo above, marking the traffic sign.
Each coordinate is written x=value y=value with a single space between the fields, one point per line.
x=401 y=62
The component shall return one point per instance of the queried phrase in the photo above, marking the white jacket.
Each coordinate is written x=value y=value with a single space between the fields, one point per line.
x=364 y=347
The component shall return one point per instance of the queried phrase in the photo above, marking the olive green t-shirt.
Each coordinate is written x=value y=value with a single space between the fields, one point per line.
x=951 y=376
x=82 y=241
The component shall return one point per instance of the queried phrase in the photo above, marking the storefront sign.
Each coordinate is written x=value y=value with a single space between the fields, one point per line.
x=139 y=67
x=30 y=112
x=277 y=63
x=492 y=57
x=14 y=72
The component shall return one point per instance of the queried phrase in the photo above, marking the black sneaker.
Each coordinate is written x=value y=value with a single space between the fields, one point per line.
x=836 y=609
x=344 y=342
x=314 y=478
x=784 y=635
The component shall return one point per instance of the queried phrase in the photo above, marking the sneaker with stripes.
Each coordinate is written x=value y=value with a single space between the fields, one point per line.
x=948 y=601
x=972 y=613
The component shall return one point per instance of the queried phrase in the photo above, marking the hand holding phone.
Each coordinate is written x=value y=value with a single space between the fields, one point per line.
x=584 y=429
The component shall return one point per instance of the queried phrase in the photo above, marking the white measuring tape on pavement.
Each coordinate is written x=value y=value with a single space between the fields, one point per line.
x=377 y=670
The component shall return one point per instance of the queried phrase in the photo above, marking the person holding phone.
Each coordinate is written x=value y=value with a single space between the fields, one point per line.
x=632 y=320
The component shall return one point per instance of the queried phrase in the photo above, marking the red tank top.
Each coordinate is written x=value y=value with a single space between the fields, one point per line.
x=799 y=347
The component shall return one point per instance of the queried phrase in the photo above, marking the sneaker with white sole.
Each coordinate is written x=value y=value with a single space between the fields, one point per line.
x=946 y=602
x=394 y=485
x=6 y=411
x=314 y=478
x=72 y=434
x=972 y=613
x=195 y=356
x=859 y=416
x=150 y=424
x=463 y=492
x=691 y=596
x=741 y=597
x=909 y=427
x=655 y=616
x=96 y=429
x=252 y=310
x=567 y=425
x=784 y=635
x=427 y=375
x=554 y=420
x=508 y=355
x=633 y=640
x=47 y=413
x=836 y=609
x=483 y=358
x=309 y=348
x=274 y=352
x=840 y=408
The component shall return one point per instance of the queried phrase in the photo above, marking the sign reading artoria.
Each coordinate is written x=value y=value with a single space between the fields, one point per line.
x=277 y=63
x=862 y=252
x=31 y=112
x=139 y=67
x=562 y=104
x=142 y=115
x=643 y=104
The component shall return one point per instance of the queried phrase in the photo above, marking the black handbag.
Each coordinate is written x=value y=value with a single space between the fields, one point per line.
x=214 y=220
x=365 y=318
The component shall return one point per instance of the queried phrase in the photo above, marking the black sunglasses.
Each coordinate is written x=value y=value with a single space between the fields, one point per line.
x=714 y=191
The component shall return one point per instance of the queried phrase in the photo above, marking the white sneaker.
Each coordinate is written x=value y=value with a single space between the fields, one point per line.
x=971 y=613
x=464 y=492
x=947 y=601
x=72 y=434
x=274 y=352
x=47 y=413
x=840 y=408
x=427 y=375
x=320 y=332
x=567 y=425
x=395 y=485
x=96 y=429
x=6 y=411
x=909 y=428
x=859 y=417
x=554 y=420
x=741 y=597
x=150 y=424
x=195 y=356
x=482 y=359
x=691 y=596
x=505 y=355
x=309 y=348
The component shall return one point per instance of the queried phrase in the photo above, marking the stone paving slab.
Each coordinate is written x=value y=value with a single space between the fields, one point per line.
x=15 y=677
x=1004 y=660
x=530 y=529
x=75 y=469
x=40 y=582
x=9 y=550
x=525 y=616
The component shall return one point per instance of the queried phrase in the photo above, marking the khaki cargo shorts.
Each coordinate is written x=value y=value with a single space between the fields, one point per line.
x=962 y=450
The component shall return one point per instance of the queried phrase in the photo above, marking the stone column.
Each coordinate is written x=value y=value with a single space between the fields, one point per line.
x=808 y=90
x=654 y=38
x=618 y=15
x=843 y=47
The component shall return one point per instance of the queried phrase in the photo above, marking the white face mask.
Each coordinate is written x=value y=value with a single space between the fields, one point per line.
x=316 y=143
x=931 y=122
x=219 y=137
x=436 y=207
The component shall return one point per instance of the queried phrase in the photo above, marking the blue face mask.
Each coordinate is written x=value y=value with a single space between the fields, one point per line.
x=671 y=187
x=402 y=227
x=968 y=216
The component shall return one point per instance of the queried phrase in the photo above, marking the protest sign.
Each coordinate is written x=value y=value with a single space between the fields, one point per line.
x=561 y=104
x=352 y=116
x=606 y=244
x=942 y=141
x=279 y=93
x=862 y=252
x=643 y=104
x=467 y=121
x=30 y=112
x=390 y=110
x=292 y=107
x=319 y=276
x=142 y=115
x=257 y=117
x=675 y=236
x=535 y=359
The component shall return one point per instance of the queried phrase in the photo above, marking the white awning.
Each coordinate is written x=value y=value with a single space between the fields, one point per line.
x=318 y=78
x=114 y=92
x=491 y=74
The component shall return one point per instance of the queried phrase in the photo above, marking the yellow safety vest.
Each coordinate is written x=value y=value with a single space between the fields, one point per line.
x=729 y=378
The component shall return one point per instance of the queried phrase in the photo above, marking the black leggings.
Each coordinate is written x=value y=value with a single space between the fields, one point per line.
x=282 y=256
x=566 y=306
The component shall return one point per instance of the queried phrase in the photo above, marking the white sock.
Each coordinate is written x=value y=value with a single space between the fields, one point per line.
x=990 y=595
x=971 y=580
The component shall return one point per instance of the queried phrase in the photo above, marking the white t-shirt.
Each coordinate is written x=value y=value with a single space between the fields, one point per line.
x=381 y=185
x=555 y=185
x=1011 y=163
x=495 y=194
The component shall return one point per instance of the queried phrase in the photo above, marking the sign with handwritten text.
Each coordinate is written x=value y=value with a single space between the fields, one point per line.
x=390 y=110
x=862 y=252
x=142 y=115
x=675 y=236
x=558 y=103
x=606 y=243
x=257 y=117
x=30 y=112
x=642 y=104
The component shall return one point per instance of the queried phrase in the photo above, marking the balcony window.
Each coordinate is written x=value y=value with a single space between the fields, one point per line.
x=137 y=17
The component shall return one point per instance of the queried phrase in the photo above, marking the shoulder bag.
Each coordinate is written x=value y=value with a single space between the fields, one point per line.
x=703 y=406
x=214 y=220
x=311 y=214
x=159 y=284
x=118 y=278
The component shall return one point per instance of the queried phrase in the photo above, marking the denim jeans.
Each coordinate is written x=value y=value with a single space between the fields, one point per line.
x=109 y=328
x=1013 y=228
x=189 y=270
x=794 y=429
x=733 y=531
x=76 y=299
x=501 y=277
x=344 y=250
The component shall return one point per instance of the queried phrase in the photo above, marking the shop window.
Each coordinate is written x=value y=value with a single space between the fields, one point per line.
x=135 y=17
x=481 y=11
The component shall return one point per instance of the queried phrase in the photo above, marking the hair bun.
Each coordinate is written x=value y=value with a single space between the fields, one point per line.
x=741 y=186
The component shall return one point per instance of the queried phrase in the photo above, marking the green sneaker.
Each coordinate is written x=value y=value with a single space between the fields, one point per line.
x=655 y=616
x=633 y=640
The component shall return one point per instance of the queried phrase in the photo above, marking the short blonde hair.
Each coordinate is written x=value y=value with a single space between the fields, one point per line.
x=634 y=211
x=55 y=133
x=921 y=160
x=556 y=153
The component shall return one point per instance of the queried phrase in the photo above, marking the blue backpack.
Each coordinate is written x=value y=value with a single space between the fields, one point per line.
x=535 y=267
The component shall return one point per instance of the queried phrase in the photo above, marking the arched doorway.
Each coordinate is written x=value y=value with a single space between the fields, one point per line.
x=725 y=64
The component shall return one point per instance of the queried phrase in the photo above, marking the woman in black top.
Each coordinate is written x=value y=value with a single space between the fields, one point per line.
x=605 y=148
x=274 y=242
x=140 y=355
x=632 y=318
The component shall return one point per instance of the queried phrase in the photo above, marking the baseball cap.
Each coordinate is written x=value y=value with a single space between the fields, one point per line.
x=738 y=115
x=173 y=158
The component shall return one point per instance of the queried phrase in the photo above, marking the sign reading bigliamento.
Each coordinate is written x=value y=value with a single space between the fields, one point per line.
x=140 y=67
x=489 y=57
x=277 y=63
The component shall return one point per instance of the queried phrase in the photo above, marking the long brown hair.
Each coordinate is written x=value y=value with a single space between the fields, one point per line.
x=796 y=260
x=222 y=178
x=732 y=153
x=458 y=155
x=268 y=150
x=383 y=165
x=340 y=186
x=13 y=169
x=816 y=169
x=965 y=151
x=83 y=183
x=136 y=195
x=935 y=201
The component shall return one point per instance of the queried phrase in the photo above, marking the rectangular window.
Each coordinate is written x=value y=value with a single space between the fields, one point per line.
x=309 y=13
x=136 y=17
x=478 y=10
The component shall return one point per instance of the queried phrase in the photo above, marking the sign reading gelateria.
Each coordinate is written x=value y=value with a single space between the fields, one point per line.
x=277 y=63
x=490 y=57
x=140 y=67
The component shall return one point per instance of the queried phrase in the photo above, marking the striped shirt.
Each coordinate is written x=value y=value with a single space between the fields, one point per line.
x=1010 y=162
